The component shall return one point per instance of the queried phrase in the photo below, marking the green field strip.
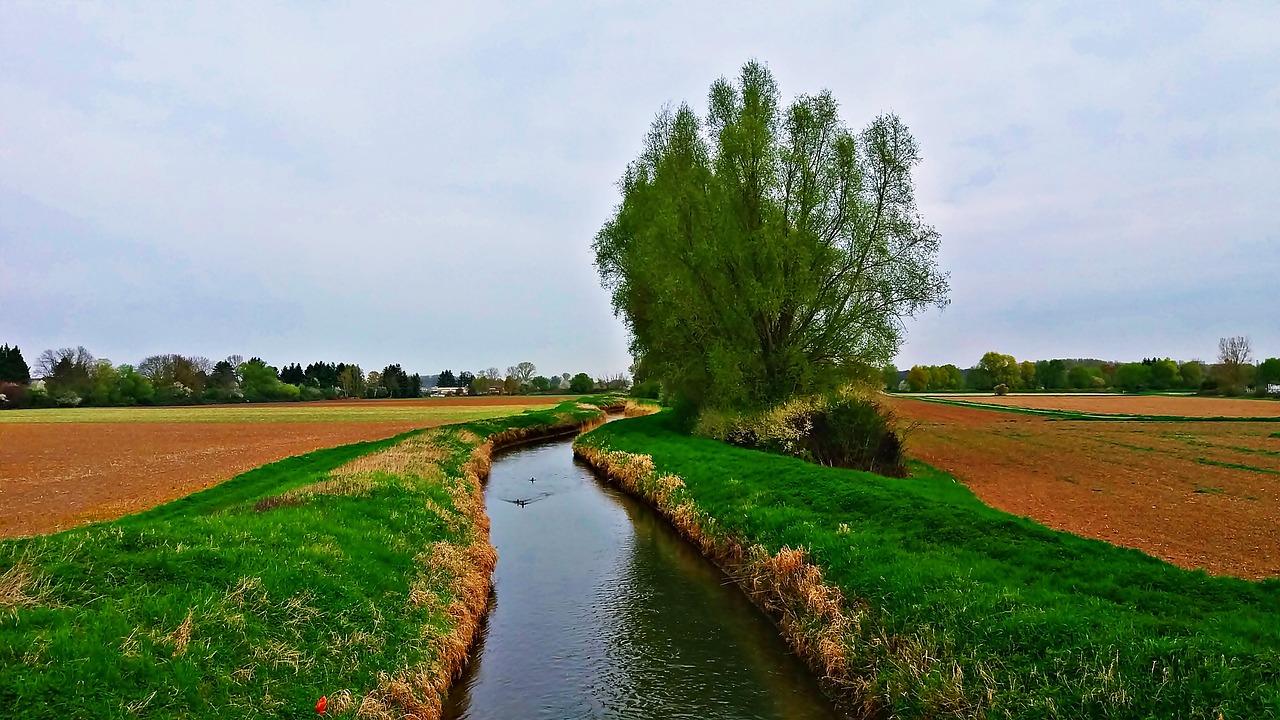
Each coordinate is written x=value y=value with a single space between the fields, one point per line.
x=1074 y=415
x=1237 y=466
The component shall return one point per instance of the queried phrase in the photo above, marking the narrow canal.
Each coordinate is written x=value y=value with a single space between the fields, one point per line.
x=603 y=611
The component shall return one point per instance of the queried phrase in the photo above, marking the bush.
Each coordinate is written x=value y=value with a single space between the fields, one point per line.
x=306 y=392
x=839 y=430
x=12 y=395
x=1001 y=389
x=851 y=432
x=67 y=400
x=649 y=390
x=581 y=383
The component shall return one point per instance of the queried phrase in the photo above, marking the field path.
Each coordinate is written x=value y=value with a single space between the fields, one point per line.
x=1197 y=494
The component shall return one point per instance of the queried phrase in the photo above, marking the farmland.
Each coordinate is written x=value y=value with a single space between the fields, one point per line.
x=65 y=467
x=1128 y=405
x=1197 y=494
x=357 y=573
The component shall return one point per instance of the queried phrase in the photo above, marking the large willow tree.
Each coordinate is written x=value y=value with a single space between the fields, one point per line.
x=767 y=252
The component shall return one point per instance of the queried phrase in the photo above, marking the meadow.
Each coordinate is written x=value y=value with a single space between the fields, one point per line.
x=64 y=467
x=914 y=598
x=357 y=573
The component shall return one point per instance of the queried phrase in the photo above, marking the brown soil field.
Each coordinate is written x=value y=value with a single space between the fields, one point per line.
x=464 y=401
x=56 y=476
x=1189 y=406
x=1197 y=494
x=63 y=468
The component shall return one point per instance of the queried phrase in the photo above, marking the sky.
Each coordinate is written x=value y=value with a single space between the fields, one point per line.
x=420 y=184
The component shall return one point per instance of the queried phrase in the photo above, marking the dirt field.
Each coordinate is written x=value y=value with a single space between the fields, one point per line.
x=1189 y=406
x=62 y=468
x=333 y=411
x=1200 y=495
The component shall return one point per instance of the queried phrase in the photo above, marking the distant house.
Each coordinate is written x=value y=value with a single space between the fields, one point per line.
x=447 y=391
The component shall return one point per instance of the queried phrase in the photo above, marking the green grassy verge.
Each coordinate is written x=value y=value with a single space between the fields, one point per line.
x=256 y=597
x=965 y=611
x=1076 y=415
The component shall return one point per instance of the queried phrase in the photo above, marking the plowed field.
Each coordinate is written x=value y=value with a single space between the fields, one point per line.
x=1162 y=405
x=1198 y=494
x=62 y=468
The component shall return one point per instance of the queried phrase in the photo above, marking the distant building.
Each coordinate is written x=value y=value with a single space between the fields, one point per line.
x=447 y=391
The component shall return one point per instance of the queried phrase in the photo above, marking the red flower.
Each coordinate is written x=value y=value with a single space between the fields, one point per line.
x=321 y=705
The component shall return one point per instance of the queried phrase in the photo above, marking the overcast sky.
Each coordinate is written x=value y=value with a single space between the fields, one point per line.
x=413 y=184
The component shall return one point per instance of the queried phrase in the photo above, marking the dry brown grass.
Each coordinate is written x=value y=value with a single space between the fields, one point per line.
x=832 y=633
x=416 y=456
x=356 y=486
x=19 y=587
x=635 y=409
x=181 y=637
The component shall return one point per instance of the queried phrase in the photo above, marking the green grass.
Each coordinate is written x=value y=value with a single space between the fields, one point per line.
x=285 y=605
x=1275 y=435
x=353 y=411
x=1054 y=625
x=1237 y=466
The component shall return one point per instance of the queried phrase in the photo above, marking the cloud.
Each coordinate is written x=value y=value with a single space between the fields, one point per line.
x=415 y=184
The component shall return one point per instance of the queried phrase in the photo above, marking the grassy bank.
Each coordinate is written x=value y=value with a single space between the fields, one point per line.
x=914 y=599
x=358 y=573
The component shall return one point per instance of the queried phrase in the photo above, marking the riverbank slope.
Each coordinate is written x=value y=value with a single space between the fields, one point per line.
x=911 y=598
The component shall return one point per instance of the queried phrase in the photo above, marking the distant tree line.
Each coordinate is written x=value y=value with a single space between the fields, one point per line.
x=1233 y=374
x=73 y=377
x=522 y=379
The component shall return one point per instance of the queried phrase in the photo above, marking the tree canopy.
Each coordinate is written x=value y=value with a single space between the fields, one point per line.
x=766 y=251
x=13 y=368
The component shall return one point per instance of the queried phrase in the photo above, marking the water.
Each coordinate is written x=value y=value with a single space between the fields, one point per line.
x=603 y=611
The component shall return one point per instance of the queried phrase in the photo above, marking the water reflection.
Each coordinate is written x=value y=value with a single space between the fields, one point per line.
x=602 y=611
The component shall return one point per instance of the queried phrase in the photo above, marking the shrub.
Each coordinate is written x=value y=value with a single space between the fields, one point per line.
x=853 y=432
x=67 y=400
x=839 y=430
x=649 y=389
x=1001 y=389
x=12 y=395
x=306 y=392
x=581 y=383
